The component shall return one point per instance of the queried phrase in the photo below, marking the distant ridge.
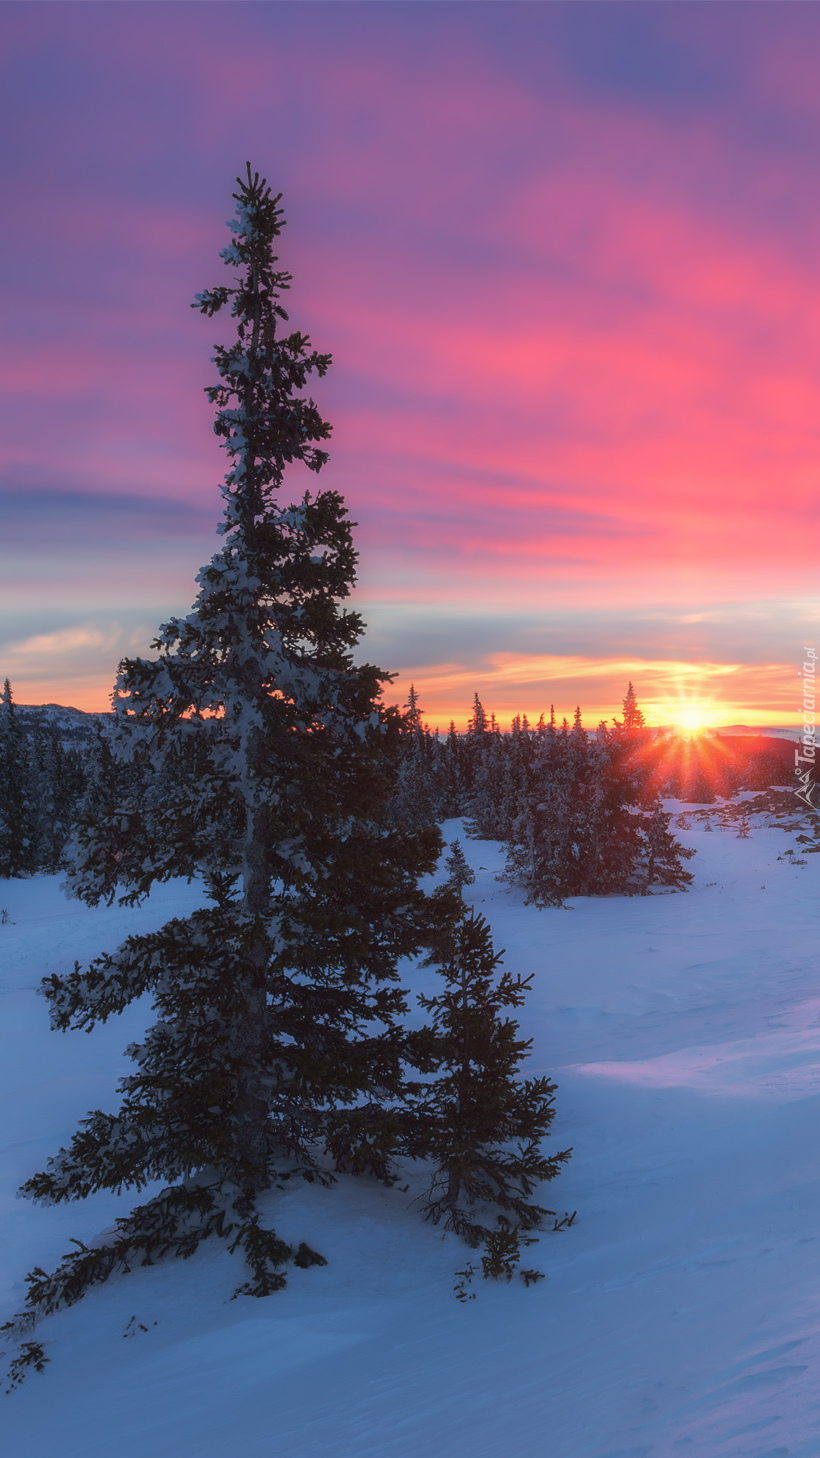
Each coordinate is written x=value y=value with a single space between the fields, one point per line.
x=770 y=731
x=750 y=731
x=73 y=725
x=52 y=709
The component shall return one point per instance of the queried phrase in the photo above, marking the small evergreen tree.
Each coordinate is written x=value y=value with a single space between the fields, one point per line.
x=473 y=746
x=414 y=798
x=477 y=725
x=58 y=781
x=459 y=872
x=451 y=774
x=633 y=720
x=43 y=750
x=486 y=800
x=664 y=854
x=264 y=763
x=480 y=1124
x=17 y=815
x=412 y=716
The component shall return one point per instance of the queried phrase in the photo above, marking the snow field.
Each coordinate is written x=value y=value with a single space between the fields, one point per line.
x=680 y=1313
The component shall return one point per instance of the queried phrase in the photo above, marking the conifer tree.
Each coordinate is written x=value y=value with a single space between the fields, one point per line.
x=17 y=827
x=633 y=721
x=486 y=800
x=451 y=774
x=481 y=1125
x=473 y=746
x=57 y=784
x=45 y=756
x=412 y=715
x=414 y=798
x=477 y=726
x=663 y=853
x=265 y=762
x=459 y=872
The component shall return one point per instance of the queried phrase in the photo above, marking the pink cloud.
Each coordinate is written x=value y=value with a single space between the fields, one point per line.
x=577 y=337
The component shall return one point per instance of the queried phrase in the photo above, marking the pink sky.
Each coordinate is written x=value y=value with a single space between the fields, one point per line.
x=566 y=261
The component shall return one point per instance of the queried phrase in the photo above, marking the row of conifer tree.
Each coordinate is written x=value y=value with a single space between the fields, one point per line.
x=581 y=814
x=42 y=783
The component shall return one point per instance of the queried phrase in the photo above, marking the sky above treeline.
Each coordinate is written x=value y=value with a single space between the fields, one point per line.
x=565 y=257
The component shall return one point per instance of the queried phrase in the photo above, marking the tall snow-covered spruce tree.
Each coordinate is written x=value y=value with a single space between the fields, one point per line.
x=266 y=762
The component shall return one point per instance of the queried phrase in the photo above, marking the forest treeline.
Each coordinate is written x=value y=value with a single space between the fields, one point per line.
x=581 y=813
x=43 y=780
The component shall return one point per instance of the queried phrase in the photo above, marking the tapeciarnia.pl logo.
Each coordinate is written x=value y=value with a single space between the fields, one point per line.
x=805 y=756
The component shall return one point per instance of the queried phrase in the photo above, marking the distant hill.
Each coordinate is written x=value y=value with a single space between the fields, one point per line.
x=769 y=731
x=74 y=726
x=735 y=731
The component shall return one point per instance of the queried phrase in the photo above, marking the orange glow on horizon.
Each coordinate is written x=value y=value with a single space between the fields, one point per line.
x=693 y=722
x=449 y=695
x=694 y=697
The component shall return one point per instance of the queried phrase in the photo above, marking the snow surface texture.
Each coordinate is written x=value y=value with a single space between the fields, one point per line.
x=680 y=1313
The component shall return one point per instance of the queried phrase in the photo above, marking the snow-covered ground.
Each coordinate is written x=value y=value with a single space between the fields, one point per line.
x=681 y=1312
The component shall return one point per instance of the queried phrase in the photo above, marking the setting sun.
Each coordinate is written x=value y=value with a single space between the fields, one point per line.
x=692 y=719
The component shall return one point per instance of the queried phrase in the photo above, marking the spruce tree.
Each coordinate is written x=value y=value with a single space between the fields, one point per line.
x=477 y=725
x=412 y=716
x=17 y=816
x=459 y=872
x=480 y=1123
x=633 y=721
x=664 y=854
x=473 y=746
x=451 y=774
x=57 y=783
x=486 y=802
x=258 y=758
x=587 y=825
x=45 y=776
x=414 y=798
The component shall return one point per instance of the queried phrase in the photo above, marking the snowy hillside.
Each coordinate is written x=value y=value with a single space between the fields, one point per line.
x=74 y=726
x=680 y=1313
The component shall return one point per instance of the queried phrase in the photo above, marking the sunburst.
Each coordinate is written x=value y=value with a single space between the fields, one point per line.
x=692 y=719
